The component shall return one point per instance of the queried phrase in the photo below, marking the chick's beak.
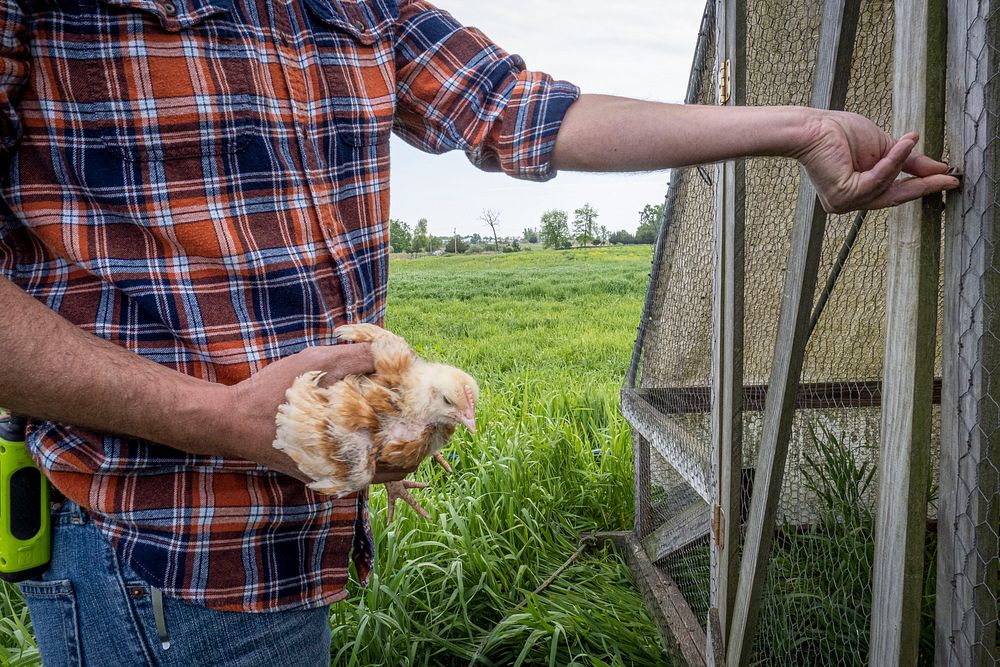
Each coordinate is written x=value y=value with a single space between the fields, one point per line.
x=469 y=419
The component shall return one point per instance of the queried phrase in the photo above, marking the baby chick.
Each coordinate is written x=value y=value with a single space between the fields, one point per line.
x=404 y=411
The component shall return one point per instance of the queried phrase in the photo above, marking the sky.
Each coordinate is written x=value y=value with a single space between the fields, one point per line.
x=640 y=48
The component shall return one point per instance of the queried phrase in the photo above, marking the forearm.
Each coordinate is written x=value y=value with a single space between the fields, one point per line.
x=604 y=133
x=51 y=369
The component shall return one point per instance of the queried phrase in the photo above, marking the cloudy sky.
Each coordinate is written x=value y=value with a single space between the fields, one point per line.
x=641 y=48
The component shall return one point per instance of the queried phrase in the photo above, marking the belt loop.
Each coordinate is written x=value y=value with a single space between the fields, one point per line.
x=161 y=621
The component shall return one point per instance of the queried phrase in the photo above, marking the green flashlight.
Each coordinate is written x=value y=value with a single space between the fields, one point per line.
x=25 y=530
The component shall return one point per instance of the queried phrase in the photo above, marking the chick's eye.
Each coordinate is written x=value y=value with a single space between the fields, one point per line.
x=448 y=402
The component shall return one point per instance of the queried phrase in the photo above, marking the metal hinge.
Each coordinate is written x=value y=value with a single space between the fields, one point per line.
x=725 y=81
x=717 y=527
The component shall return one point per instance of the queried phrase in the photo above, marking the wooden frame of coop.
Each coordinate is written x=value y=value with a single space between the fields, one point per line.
x=937 y=399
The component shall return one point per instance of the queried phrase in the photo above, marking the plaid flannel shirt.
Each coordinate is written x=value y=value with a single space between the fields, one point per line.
x=206 y=183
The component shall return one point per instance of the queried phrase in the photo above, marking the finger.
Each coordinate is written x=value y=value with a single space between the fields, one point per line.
x=410 y=484
x=881 y=176
x=918 y=164
x=442 y=462
x=908 y=189
x=339 y=361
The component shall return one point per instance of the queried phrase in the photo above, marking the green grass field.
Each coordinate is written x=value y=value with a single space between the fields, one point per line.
x=548 y=336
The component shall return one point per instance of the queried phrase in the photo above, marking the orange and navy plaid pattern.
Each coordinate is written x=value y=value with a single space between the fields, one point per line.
x=206 y=183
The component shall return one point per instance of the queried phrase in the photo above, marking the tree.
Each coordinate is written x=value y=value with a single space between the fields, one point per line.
x=621 y=237
x=400 y=236
x=530 y=235
x=601 y=236
x=649 y=223
x=457 y=244
x=476 y=239
x=555 y=229
x=420 y=239
x=585 y=224
x=491 y=218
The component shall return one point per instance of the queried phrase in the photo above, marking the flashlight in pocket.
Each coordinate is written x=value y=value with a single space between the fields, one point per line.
x=25 y=531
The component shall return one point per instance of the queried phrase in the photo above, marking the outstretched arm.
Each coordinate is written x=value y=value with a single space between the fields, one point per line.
x=853 y=164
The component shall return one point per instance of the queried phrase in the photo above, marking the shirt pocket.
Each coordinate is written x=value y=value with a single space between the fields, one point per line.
x=52 y=605
x=355 y=43
x=176 y=79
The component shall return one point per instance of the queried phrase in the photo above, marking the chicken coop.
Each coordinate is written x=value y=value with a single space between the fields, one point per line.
x=816 y=424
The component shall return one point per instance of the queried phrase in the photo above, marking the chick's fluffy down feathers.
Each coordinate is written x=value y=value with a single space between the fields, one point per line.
x=406 y=410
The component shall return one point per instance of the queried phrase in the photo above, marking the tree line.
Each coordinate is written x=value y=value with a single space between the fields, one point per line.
x=417 y=240
x=555 y=231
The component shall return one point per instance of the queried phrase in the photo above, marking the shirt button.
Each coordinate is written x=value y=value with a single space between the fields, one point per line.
x=169 y=8
x=359 y=25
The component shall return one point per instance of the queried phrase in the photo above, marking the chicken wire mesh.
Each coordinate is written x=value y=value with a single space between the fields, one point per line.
x=816 y=606
x=662 y=385
x=968 y=602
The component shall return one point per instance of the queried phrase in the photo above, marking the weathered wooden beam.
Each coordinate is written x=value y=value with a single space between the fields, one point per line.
x=670 y=611
x=833 y=67
x=810 y=396
x=969 y=498
x=668 y=439
x=727 y=328
x=911 y=322
x=716 y=654
x=688 y=525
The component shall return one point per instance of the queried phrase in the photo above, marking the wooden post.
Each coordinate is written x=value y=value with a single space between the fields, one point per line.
x=969 y=505
x=911 y=317
x=640 y=463
x=833 y=66
x=727 y=330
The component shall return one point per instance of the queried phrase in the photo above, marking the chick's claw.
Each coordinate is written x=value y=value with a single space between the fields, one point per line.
x=398 y=491
x=439 y=457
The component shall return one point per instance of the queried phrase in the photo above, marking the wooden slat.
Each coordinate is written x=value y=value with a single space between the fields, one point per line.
x=666 y=437
x=965 y=618
x=670 y=611
x=911 y=321
x=810 y=396
x=833 y=66
x=688 y=525
x=727 y=332
x=716 y=654
x=640 y=462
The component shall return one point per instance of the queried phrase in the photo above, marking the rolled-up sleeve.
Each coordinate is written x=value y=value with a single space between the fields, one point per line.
x=457 y=90
x=13 y=77
x=13 y=69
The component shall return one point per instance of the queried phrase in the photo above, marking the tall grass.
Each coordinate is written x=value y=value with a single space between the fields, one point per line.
x=17 y=644
x=548 y=336
x=817 y=607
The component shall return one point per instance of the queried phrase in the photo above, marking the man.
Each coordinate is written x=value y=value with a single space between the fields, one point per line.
x=196 y=194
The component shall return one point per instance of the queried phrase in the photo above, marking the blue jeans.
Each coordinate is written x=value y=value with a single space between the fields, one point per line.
x=91 y=609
